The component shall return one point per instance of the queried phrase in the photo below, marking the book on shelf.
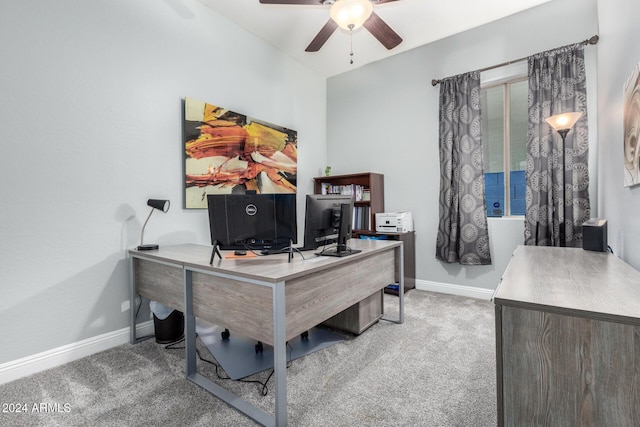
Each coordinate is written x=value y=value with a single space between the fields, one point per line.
x=359 y=192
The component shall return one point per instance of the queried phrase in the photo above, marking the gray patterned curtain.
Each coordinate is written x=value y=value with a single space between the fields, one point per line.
x=462 y=233
x=557 y=84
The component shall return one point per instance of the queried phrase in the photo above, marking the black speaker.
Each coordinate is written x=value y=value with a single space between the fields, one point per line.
x=594 y=235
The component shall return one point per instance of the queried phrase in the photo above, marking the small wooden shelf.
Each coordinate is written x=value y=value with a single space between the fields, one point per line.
x=373 y=182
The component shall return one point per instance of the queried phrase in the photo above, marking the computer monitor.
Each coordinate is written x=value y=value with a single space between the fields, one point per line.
x=322 y=219
x=328 y=220
x=252 y=221
x=344 y=234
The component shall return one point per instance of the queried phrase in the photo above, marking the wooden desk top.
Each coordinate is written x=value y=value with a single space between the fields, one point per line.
x=271 y=268
x=239 y=292
x=571 y=281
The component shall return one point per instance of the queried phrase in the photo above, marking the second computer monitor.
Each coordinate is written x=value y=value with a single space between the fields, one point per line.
x=252 y=221
x=322 y=219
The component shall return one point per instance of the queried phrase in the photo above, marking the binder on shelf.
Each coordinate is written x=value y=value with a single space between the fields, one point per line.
x=361 y=218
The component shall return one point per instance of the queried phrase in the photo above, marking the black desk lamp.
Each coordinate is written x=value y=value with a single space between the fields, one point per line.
x=562 y=123
x=162 y=205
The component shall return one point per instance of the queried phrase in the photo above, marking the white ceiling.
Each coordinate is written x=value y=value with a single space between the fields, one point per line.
x=291 y=28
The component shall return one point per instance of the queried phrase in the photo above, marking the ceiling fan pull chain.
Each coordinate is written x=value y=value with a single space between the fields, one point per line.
x=351 y=42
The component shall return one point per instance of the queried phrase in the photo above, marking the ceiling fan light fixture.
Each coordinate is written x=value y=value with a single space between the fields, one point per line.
x=351 y=14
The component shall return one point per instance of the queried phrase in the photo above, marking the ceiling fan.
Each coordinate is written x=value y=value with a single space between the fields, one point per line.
x=372 y=22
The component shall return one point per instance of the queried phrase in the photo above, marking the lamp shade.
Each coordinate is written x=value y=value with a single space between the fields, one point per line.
x=162 y=205
x=564 y=121
x=350 y=14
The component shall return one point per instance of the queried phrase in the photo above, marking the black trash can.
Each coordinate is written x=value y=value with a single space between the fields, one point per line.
x=169 y=330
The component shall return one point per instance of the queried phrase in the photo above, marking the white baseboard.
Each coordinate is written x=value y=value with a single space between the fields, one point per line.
x=448 y=288
x=59 y=356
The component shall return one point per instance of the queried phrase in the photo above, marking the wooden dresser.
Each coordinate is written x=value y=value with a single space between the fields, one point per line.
x=568 y=339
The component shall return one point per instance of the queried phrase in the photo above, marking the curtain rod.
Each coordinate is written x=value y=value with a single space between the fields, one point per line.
x=592 y=40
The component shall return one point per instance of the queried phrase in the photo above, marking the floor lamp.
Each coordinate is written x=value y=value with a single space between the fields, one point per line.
x=562 y=123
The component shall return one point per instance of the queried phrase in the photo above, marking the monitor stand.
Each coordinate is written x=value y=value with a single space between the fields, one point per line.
x=339 y=251
x=290 y=251
x=215 y=251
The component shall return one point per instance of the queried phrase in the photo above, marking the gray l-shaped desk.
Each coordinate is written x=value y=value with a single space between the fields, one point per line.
x=265 y=298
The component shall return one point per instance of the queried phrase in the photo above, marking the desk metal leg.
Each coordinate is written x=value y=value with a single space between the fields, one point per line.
x=400 y=258
x=225 y=395
x=280 y=354
x=132 y=301
x=189 y=326
x=400 y=252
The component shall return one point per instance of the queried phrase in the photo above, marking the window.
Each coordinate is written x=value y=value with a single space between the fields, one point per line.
x=504 y=134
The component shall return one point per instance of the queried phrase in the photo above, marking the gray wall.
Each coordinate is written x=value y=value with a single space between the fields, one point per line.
x=90 y=128
x=618 y=54
x=384 y=118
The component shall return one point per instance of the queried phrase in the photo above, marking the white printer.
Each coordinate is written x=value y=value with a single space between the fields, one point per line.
x=394 y=222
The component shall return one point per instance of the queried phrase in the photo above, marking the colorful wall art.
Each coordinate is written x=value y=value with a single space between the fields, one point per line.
x=228 y=152
x=632 y=128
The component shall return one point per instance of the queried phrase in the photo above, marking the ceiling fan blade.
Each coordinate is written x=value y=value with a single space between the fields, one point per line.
x=322 y=36
x=381 y=1
x=380 y=30
x=303 y=2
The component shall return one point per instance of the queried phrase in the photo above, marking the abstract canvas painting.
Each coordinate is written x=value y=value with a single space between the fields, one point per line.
x=228 y=152
x=632 y=128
